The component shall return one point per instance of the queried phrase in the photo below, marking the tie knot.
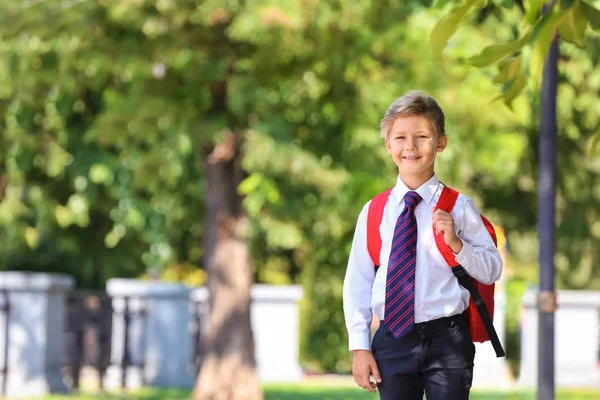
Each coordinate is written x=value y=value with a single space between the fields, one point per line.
x=411 y=199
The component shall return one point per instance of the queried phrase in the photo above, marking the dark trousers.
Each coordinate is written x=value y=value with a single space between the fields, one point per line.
x=436 y=358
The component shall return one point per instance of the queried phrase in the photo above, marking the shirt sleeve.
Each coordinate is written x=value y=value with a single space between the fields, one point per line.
x=358 y=283
x=479 y=256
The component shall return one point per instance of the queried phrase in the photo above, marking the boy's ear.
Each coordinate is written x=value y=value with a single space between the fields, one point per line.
x=442 y=143
x=387 y=144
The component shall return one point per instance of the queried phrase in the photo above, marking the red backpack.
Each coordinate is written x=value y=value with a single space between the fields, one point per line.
x=480 y=312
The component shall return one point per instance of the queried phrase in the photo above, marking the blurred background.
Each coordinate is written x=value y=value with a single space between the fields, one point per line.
x=212 y=145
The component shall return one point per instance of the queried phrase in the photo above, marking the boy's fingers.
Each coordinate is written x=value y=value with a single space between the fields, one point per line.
x=366 y=383
x=358 y=380
x=375 y=372
x=369 y=386
x=363 y=379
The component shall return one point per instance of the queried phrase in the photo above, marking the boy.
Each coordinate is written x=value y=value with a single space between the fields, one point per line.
x=423 y=342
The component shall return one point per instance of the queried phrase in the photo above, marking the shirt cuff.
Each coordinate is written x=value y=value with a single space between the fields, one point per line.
x=465 y=253
x=359 y=341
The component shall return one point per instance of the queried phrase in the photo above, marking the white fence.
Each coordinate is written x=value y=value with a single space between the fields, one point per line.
x=160 y=341
x=163 y=318
x=575 y=343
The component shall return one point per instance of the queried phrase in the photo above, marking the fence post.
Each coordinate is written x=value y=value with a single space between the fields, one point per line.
x=34 y=335
x=157 y=329
x=5 y=311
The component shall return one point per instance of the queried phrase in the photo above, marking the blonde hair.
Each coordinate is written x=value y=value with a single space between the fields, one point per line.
x=414 y=102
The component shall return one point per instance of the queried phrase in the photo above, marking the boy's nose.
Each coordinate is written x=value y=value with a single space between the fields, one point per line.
x=410 y=144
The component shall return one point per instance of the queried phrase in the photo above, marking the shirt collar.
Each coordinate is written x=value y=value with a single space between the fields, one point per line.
x=426 y=190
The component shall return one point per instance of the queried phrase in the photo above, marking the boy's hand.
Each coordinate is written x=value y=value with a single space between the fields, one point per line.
x=444 y=223
x=363 y=366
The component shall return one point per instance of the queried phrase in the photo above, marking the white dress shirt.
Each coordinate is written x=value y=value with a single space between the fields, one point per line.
x=437 y=292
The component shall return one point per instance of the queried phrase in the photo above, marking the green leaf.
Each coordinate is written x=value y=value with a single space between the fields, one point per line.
x=592 y=14
x=532 y=9
x=543 y=34
x=594 y=144
x=512 y=88
x=509 y=69
x=508 y=4
x=572 y=27
x=497 y=52
x=515 y=88
x=447 y=26
x=440 y=3
x=251 y=183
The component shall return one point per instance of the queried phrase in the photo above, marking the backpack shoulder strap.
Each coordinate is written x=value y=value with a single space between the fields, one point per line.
x=446 y=202
x=447 y=199
x=374 y=217
x=490 y=229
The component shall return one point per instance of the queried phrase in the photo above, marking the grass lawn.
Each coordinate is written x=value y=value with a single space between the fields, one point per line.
x=320 y=392
x=332 y=393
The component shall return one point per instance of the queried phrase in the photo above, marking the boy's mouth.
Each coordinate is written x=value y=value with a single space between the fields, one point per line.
x=411 y=158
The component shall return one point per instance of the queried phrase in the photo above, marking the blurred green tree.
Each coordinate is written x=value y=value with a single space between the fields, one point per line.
x=520 y=60
x=89 y=187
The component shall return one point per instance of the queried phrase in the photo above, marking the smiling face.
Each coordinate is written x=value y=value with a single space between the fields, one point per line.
x=413 y=145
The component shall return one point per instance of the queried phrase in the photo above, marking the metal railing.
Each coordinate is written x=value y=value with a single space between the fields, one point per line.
x=89 y=335
x=127 y=314
x=199 y=312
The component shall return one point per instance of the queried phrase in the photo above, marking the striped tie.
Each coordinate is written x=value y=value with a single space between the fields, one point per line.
x=400 y=283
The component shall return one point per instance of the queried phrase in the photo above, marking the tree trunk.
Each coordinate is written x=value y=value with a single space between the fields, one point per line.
x=229 y=368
